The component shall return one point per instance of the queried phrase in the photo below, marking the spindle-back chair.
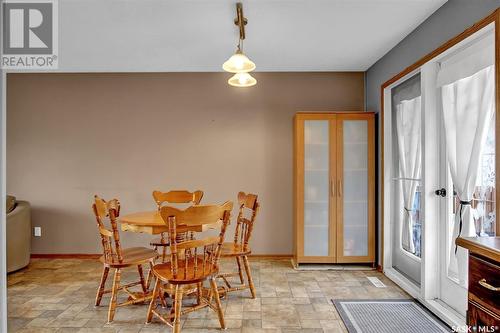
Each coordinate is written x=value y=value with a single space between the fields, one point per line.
x=191 y=261
x=240 y=248
x=117 y=258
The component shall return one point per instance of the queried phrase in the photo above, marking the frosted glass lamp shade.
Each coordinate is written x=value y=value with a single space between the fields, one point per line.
x=238 y=63
x=242 y=80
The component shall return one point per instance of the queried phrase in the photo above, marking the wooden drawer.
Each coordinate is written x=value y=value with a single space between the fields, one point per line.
x=479 y=316
x=480 y=269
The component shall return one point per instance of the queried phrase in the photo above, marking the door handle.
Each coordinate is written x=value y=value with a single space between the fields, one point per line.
x=441 y=192
x=332 y=188
x=339 y=188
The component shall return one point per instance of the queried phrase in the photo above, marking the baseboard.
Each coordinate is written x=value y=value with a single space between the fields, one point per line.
x=331 y=267
x=65 y=256
x=96 y=256
x=271 y=256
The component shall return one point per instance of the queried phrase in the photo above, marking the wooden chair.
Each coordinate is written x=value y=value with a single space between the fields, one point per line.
x=117 y=258
x=191 y=262
x=173 y=197
x=239 y=248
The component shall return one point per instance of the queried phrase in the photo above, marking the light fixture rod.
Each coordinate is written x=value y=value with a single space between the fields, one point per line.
x=240 y=20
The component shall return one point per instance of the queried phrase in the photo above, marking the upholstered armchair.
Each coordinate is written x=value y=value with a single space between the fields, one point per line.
x=18 y=234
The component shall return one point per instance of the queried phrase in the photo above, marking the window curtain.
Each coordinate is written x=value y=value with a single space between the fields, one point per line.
x=468 y=109
x=408 y=125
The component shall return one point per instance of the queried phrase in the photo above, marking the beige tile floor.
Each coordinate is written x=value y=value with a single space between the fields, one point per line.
x=58 y=296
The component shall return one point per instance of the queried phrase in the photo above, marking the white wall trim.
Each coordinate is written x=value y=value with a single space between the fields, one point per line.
x=3 y=225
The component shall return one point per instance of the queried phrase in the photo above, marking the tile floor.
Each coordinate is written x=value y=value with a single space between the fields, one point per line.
x=58 y=296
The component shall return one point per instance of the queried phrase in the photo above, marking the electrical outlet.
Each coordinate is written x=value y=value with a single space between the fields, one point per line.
x=37 y=231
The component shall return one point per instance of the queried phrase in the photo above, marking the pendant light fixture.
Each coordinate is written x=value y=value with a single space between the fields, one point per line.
x=239 y=63
x=242 y=80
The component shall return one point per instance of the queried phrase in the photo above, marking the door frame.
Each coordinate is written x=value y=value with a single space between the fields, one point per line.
x=428 y=292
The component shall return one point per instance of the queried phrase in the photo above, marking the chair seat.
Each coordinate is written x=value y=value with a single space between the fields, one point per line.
x=234 y=250
x=132 y=256
x=185 y=276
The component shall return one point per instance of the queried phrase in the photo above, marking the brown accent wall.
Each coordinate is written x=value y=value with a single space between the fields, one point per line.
x=70 y=136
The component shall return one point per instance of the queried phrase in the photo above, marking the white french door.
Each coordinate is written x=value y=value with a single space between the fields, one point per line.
x=451 y=293
x=457 y=144
x=466 y=101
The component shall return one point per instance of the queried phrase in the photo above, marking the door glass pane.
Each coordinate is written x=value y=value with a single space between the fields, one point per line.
x=406 y=188
x=355 y=187
x=468 y=109
x=407 y=115
x=484 y=201
x=316 y=185
x=417 y=221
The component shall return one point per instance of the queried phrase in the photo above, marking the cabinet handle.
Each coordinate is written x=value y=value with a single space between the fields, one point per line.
x=339 y=189
x=488 y=286
x=332 y=188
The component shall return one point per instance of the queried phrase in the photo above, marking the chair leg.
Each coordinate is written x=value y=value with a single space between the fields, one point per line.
x=215 y=293
x=162 y=297
x=152 y=304
x=177 y=308
x=149 y=277
x=141 y=277
x=199 y=291
x=114 y=294
x=249 y=276
x=102 y=284
x=240 y=271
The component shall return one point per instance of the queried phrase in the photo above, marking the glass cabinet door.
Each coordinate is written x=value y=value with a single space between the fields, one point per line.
x=354 y=166
x=316 y=187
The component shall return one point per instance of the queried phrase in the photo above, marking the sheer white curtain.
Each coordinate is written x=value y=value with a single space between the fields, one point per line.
x=468 y=109
x=408 y=125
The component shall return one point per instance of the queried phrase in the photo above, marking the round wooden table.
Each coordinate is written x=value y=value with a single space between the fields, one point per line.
x=150 y=222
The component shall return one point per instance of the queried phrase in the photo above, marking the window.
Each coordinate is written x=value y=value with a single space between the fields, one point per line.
x=484 y=197
x=417 y=222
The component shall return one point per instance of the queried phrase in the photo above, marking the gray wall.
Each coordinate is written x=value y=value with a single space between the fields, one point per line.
x=124 y=135
x=448 y=21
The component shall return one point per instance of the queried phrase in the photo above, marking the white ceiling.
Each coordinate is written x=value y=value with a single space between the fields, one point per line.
x=198 y=35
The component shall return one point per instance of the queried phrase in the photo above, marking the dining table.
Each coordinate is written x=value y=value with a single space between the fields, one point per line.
x=151 y=222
